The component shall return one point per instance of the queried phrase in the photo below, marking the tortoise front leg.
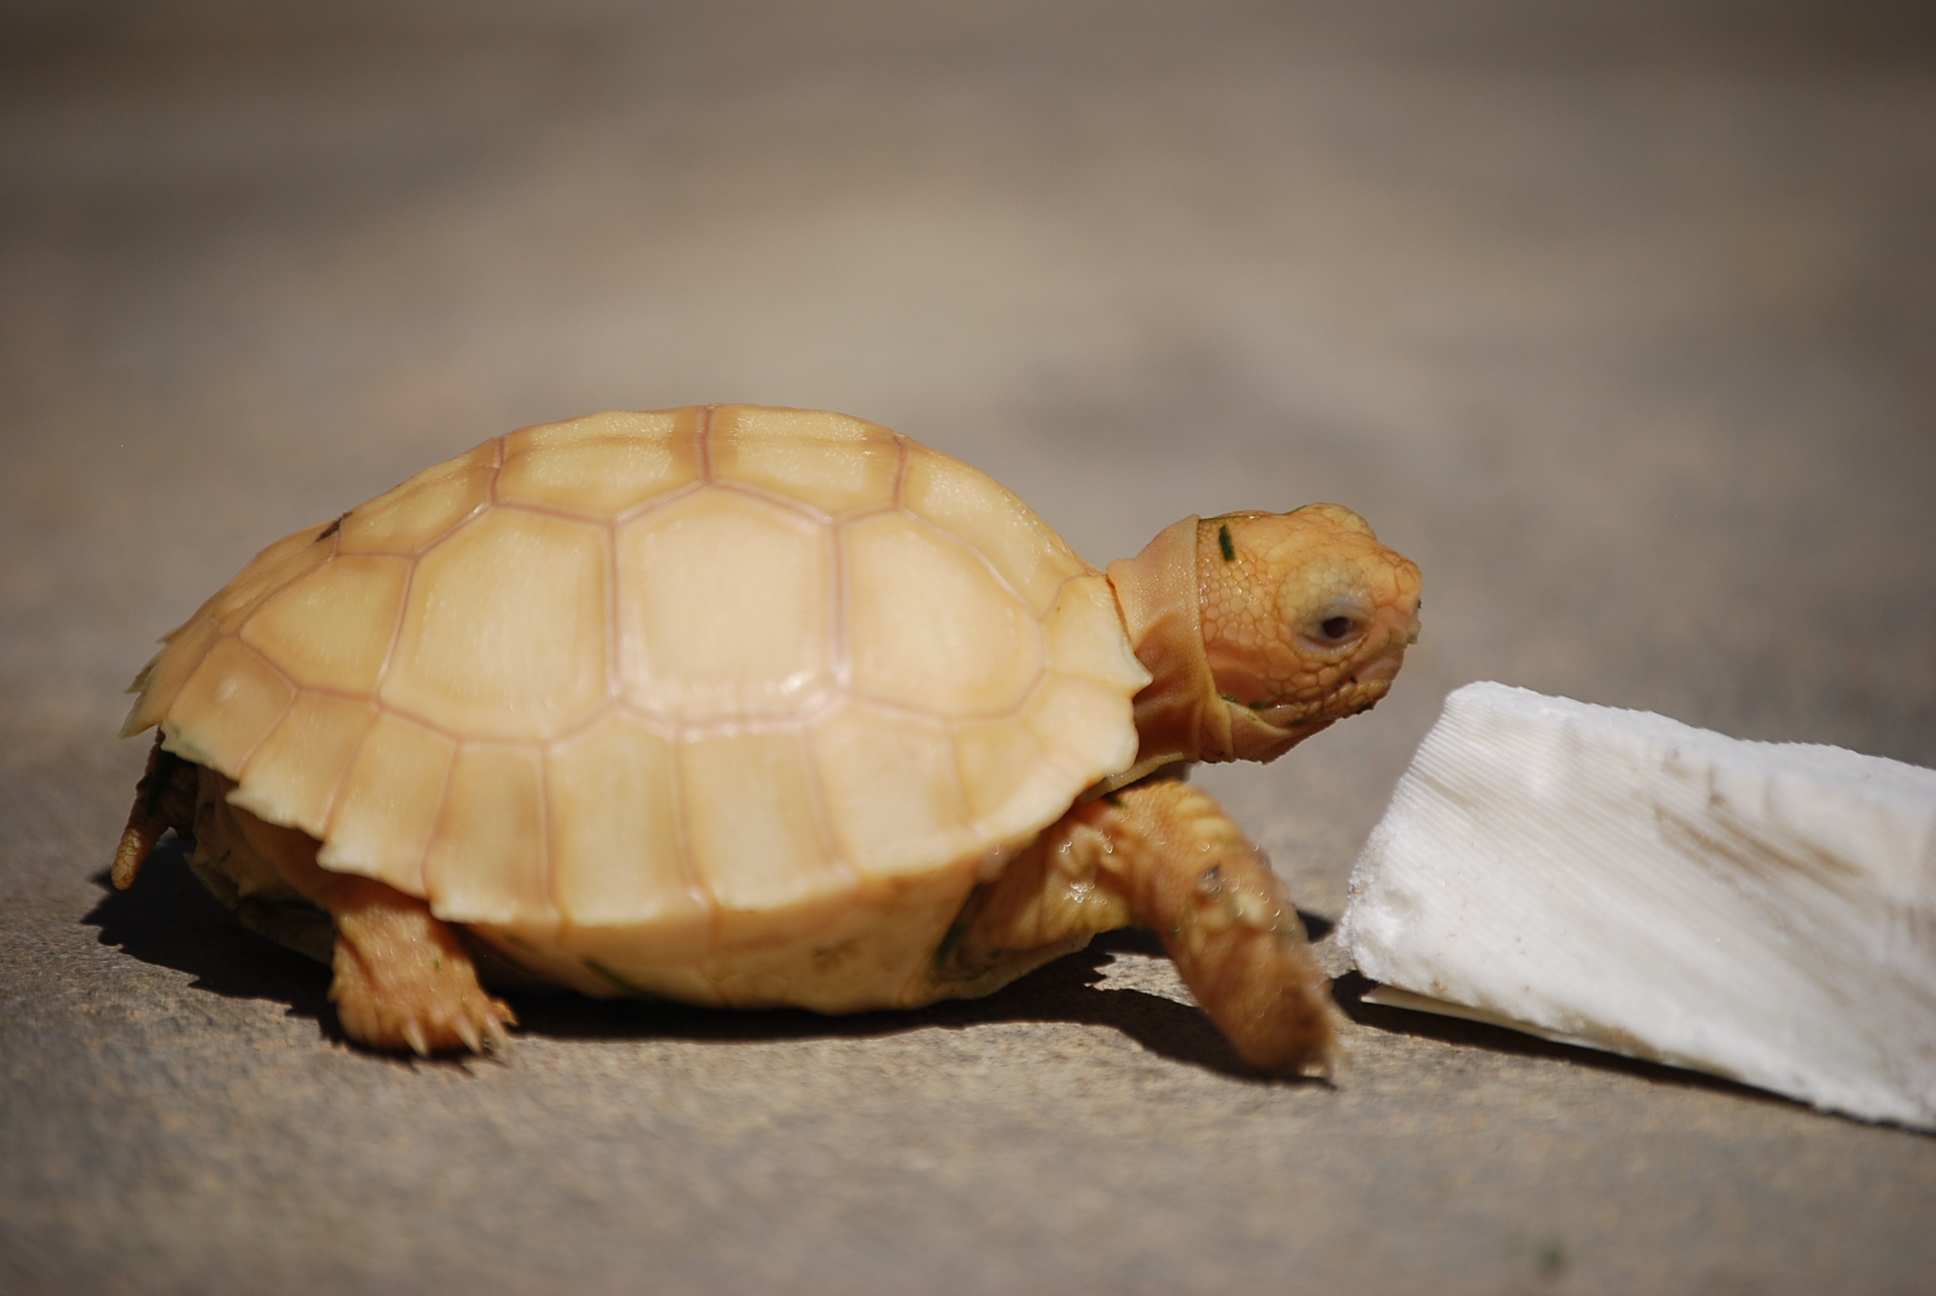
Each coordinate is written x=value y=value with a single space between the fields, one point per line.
x=1164 y=855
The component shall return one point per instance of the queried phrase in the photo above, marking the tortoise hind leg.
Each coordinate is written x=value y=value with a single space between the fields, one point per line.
x=403 y=979
x=163 y=799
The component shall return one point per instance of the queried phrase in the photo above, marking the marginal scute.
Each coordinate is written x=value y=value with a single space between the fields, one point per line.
x=1000 y=763
x=408 y=519
x=616 y=856
x=1085 y=635
x=760 y=856
x=984 y=514
x=1089 y=727
x=282 y=562
x=227 y=707
x=332 y=628
x=487 y=860
x=723 y=608
x=387 y=805
x=162 y=678
x=602 y=465
x=930 y=627
x=293 y=775
x=834 y=463
x=504 y=631
x=894 y=797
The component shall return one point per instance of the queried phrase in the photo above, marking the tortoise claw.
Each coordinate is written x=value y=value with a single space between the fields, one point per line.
x=403 y=980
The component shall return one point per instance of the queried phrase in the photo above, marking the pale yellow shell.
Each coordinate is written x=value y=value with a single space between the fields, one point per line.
x=648 y=694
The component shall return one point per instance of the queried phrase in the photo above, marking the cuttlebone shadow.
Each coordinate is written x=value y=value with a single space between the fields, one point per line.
x=169 y=920
x=1349 y=991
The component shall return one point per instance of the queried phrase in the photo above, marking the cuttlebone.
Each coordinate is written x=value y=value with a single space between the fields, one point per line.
x=1618 y=879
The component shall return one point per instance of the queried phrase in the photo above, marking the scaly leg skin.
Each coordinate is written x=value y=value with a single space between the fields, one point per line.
x=402 y=978
x=403 y=981
x=1163 y=854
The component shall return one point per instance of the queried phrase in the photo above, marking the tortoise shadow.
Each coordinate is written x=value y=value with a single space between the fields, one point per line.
x=1063 y=991
x=168 y=919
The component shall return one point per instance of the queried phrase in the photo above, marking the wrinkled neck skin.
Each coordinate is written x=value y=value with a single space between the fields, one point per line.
x=1180 y=715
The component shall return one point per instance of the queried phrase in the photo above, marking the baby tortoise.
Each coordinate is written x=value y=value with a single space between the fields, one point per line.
x=748 y=707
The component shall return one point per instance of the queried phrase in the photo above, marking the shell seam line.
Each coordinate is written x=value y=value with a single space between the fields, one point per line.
x=643 y=507
x=497 y=468
x=614 y=634
x=242 y=765
x=343 y=775
x=904 y=449
x=547 y=868
x=565 y=734
x=436 y=826
x=553 y=511
x=987 y=565
x=794 y=504
x=822 y=818
x=696 y=883
x=396 y=636
x=837 y=607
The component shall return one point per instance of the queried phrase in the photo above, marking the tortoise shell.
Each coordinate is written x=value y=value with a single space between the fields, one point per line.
x=727 y=703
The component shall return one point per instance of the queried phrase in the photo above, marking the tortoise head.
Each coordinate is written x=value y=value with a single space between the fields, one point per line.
x=1263 y=628
x=1305 y=616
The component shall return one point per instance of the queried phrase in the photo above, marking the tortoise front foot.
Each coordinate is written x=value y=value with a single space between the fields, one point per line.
x=403 y=982
x=1191 y=874
x=1163 y=855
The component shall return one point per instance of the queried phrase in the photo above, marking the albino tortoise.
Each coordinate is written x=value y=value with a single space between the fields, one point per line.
x=751 y=707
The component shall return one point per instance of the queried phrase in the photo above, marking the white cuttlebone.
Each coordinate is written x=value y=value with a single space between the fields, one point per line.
x=1762 y=911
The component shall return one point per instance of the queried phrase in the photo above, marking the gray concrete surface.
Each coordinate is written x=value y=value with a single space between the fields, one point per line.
x=1618 y=320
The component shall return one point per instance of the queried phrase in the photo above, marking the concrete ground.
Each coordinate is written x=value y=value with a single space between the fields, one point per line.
x=1617 y=319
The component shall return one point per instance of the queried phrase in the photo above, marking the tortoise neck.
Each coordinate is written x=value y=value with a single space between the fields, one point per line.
x=1157 y=592
x=1181 y=716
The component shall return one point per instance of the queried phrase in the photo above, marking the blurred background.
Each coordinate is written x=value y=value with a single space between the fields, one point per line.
x=1619 y=319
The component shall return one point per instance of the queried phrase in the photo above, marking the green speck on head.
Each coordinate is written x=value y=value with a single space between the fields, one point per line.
x=1223 y=543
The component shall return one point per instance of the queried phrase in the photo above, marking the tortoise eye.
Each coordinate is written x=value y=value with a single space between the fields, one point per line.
x=1343 y=627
